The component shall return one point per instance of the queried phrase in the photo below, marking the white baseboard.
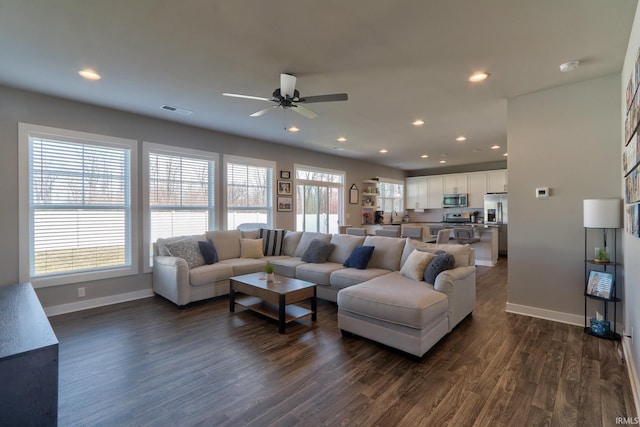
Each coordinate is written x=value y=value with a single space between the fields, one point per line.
x=96 y=302
x=541 y=313
x=632 y=371
x=485 y=263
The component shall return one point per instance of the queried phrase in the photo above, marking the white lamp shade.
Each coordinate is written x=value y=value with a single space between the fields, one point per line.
x=602 y=213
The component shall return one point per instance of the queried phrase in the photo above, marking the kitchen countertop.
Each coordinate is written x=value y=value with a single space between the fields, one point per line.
x=451 y=224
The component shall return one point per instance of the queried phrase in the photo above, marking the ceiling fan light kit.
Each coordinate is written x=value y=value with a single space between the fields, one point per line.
x=288 y=97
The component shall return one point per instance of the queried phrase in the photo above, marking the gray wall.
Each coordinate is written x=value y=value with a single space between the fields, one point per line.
x=631 y=244
x=568 y=139
x=20 y=106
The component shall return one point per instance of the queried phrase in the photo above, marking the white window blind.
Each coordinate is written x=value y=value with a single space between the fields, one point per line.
x=249 y=191
x=79 y=206
x=181 y=192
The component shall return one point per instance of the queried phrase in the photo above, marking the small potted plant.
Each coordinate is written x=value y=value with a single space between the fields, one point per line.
x=601 y=255
x=269 y=270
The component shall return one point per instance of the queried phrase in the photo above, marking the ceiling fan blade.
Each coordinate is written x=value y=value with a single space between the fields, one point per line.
x=325 y=98
x=237 y=95
x=265 y=111
x=304 y=111
x=287 y=85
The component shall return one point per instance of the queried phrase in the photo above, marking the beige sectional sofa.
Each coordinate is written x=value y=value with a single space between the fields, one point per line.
x=378 y=302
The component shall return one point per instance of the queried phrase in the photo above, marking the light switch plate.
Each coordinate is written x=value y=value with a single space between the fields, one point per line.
x=542 y=192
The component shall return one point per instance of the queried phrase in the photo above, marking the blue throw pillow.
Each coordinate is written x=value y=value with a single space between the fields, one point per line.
x=360 y=257
x=440 y=263
x=208 y=251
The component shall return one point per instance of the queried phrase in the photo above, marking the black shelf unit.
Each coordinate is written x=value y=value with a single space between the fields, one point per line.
x=611 y=267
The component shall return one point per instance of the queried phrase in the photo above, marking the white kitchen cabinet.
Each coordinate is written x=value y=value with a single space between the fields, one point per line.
x=497 y=181
x=435 y=187
x=456 y=183
x=416 y=191
x=477 y=189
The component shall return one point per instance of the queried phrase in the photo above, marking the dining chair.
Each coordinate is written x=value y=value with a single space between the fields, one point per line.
x=443 y=235
x=356 y=231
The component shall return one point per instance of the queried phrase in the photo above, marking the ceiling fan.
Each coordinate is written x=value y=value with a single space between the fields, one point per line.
x=288 y=97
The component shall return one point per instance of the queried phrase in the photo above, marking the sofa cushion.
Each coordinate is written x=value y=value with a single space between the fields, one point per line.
x=461 y=253
x=244 y=265
x=208 y=251
x=388 y=252
x=396 y=299
x=290 y=243
x=273 y=241
x=360 y=257
x=251 y=248
x=352 y=276
x=161 y=242
x=306 y=239
x=318 y=251
x=250 y=234
x=286 y=266
x=186 y=249
x=227 y=242
x=440 y=263
x=317 y=273
x=414 y=267
x=409 y=246
x=345 y=244
x=207 y=274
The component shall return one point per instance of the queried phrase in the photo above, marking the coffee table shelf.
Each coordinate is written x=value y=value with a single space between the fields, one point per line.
x=292 y=312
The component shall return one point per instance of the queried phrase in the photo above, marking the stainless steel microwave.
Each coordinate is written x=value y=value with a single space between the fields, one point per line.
x=454 y=200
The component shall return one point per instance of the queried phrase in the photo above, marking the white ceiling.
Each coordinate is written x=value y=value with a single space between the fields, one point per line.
x=398 y=61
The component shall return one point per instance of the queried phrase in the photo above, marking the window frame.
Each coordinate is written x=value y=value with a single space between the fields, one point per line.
x=25 y=222
x=151 y=147
x=382 y=180
x=340 y=186
x=269 y=164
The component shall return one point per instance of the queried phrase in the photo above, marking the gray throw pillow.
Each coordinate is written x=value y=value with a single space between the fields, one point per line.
x=318 y=251
x=188 y=250
x=440 y=263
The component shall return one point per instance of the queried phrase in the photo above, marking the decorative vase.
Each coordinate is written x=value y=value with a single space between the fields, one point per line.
x=270 y=277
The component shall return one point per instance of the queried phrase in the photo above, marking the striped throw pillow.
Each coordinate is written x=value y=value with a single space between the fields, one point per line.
x=272 y=241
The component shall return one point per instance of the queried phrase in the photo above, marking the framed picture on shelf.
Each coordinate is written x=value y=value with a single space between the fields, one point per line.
x=285 y=204
x=284 y=188
x=600 y=284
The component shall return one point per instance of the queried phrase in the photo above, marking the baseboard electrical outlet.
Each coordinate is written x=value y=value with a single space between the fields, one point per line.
x=81 y=292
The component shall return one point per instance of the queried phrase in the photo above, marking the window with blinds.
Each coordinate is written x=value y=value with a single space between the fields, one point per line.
x=249 y=191
x=79 y=204
x=181 y=192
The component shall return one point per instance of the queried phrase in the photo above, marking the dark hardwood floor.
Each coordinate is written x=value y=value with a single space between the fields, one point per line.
x=147 y=362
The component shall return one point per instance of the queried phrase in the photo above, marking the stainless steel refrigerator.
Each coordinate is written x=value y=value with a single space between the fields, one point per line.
x=496 y=212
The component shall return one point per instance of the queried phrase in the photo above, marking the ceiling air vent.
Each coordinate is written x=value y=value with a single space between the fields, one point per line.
x=177 y=110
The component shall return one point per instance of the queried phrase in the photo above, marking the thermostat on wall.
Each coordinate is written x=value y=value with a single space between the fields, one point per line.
x=542 y=192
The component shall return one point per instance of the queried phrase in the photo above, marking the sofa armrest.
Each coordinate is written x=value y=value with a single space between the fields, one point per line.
x=459 y=284
x=171 y=278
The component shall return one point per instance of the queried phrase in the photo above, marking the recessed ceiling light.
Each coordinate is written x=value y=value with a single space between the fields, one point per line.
x=418 y=122
x=569 y=66
x=293 y=129
x=478 y=77
x=342 y=139
x=443 y=161
x=505 y=154
x=384 y=150
x=495 y=147
x=89 y=74
x=461 y=138
x=424 y=156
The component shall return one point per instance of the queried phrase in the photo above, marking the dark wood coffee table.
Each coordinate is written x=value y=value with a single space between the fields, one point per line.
x=274 y=299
